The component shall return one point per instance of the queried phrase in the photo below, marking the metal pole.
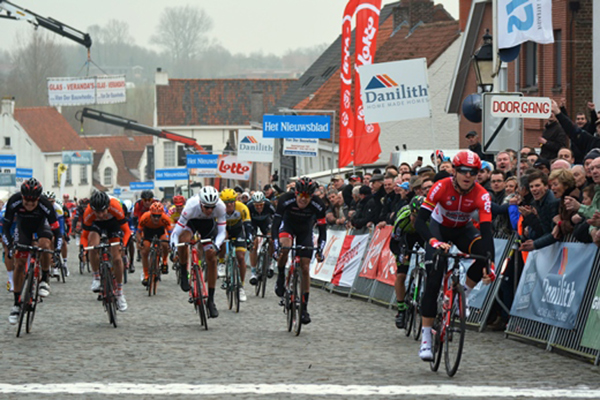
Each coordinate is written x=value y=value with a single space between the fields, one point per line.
x=332 y=143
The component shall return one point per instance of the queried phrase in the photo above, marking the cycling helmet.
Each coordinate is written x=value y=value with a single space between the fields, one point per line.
x=31 y=189
x=258 y=197
x=466 y=158
x=415 y=204
x=209 y=196
x=128 y=204
x=305 y=185
x=99 y=201
x=147 y=194
x=179 y=200
x=228 y=195
x=50 y=195
x=402 y=223
x=65 y=197
x=84 y=201
x=156 y=208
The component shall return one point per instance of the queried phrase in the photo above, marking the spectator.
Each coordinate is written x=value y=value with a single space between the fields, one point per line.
x=560 y=164
x=475 y=146
x=580 y=179
x=427 y=172
x=401 y=189
x=553 y=139
x=385 y=216
x=404 y=167
x=497 y=187
x=543 y=165
x=354 y=180
x=532 y=159
x=587 y=162
x=447 y=166
x=366 y=211
x=391 y=170
x=406 y=176
x=566 y=154
x=426 y=186
x=581 y=140
x=483 y=177
x=591 y=213
x=510 y=186
x=581 y=230
x=503 y=163
x=367 y=178
x=545 y=207
x=562 y=184
x=338 y=211
x=527 y=150
x=513 y=158
x=441 y=175
x=338 y=182
x=378 y=192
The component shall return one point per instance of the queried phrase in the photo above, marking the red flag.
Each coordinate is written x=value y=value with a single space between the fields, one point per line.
x=346 y=155
x=366 y=136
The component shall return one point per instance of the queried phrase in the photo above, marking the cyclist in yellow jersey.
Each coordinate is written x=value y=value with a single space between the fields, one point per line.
x=239 y=231
x=175 y=210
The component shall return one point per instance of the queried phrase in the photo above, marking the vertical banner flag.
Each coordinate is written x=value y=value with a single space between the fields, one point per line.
x=366 y=136
x=520 y=21
x=346 y=155
x=348 y=263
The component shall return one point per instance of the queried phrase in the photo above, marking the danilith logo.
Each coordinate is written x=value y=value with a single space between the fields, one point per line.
x=383 y=91
x=249 y=139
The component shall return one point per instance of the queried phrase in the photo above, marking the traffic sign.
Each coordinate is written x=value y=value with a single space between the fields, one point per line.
x=141 y=185
x=171 y=174
x=521 y=107
x=8 y=160
x=117 y=191
x=297 y=126
x=24 y=173
x=500 y=133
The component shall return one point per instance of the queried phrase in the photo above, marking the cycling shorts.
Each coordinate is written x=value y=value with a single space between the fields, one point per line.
x=303 y=238
x=237 y=237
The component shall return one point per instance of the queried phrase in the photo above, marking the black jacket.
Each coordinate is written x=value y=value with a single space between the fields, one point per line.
x=388 y=207
x=546 y=208
x=347 y=194
x=478 y=148
x=584 y=141
x=366 y=211
x=556 y=139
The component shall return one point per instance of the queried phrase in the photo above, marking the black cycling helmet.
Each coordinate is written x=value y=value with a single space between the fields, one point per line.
x=99 y=201
x=147 y=194
x=415 y=204
x=31 y=189
x=305 y=185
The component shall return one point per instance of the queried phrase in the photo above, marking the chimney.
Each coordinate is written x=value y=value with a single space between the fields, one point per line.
x=464 y=9
x=413 y=12
x=161 y=78
x=8 y=106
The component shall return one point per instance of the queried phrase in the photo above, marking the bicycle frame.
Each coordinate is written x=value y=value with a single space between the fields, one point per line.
x=107 y=295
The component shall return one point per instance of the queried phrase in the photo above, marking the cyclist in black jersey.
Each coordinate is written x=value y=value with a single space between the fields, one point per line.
x=261 y=213
x=295 y=216
x=31 y=210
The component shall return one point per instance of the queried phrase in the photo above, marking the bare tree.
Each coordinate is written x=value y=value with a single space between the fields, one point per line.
x=117 y=32
x=181 y=32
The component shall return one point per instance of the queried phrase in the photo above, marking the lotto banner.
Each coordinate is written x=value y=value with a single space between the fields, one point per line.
x=521 y=21
x=346 y=153
x=386 y=271
x=348 y=262
x=323 y=271
x=553 y=284
x=381 y=238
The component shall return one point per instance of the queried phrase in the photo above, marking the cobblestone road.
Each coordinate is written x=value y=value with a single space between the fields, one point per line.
x=159 y=341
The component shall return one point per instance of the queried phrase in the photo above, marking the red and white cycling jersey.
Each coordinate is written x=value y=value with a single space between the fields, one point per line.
x=452 y=209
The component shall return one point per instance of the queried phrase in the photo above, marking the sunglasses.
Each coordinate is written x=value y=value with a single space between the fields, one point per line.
x=156 y=215
x=30 y=199
x=467 y=170
x=304 y=195
x=209 y=207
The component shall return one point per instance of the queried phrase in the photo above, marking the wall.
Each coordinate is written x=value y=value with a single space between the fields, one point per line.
x=106 y=162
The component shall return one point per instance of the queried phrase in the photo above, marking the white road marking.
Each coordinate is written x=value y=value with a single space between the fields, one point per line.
x=446 y=391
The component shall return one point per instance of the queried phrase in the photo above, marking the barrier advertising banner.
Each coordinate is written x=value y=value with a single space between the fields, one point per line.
x=348 y=263
x=323 y=271
x=108 y=89
x=590 y=337
x=301 y=147
x=386 y=271
x=371 y=263
x=524 y=20
x=230 y=167
x=253 y=147
x=553 y=283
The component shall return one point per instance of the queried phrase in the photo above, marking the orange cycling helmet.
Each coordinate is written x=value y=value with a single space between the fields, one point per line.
x=178 y=200
x=156 y=208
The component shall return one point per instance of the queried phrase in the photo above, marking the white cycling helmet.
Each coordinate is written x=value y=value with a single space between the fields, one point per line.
x=50 y=195
x=258 y=197
x=128 y=204
x=209 y=196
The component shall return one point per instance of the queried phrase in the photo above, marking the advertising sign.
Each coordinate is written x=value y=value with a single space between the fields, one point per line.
x=253 y=147
x=297 y=126
x=590 y=337
x=8 y=179
x=117 y=191
x=323 y=271
x=171 y=174
x=141 y=185
x=395 y=91
x=386 y=270
x=553 y=283
x=301 y=147
x=8 y=160
x=24 y=173
x=348 y=263
x=108 y=89
x=380 y=239
x=78 y=157
x=520 y=21
x=479 y=292
x=230 y=167
x=204 y=165
x=521 y=107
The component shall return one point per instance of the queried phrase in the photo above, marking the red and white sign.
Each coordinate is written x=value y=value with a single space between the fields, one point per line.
x=371 y=263
x=386 y=271
x=521 y=107
x=323 y=271
x=348 y=263
x=346 y=153
x=230 y=167
x=108 y=89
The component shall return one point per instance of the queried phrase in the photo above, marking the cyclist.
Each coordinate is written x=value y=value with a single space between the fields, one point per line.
x=261 y=213
x=404 y=237
x=239 y=231
x=105 y=214
x=77 y=218
x=297 y=210
x=31 y=210
x=130 y=246
x=450 y=204
x=140 y=207
x=153 y=223
x=60 y=215
x=203 y=214
x=8 y=262
x=177 y=207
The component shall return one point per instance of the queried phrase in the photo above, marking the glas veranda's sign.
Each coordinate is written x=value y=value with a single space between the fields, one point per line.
x=106 y=89
x=78 y=157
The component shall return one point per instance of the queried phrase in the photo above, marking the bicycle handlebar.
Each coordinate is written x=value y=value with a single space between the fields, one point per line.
x=201 y=241
x=299 y=248
x=102 y=246
x=463 y=256
x=33 y=248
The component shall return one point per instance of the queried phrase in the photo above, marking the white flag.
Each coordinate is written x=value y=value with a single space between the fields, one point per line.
x=520 y=21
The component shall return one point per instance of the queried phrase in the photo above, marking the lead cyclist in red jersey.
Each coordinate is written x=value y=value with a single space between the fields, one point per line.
x=451 y=203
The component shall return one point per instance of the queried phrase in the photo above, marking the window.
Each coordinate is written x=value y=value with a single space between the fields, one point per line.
x=6 y=141
x=56 y=174
x=69 y=175
x=169 y=154
x=108 y=176
x=329 y=163
x=557 y=58
x=531 y=74
x=83 y=174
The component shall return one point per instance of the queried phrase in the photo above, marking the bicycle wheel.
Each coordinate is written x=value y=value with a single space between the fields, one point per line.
x=417 y=317
x=265 y=274
x=109 y=299
x=63 y=272
x=236 y=288
x=288 y=304
x=437 y=344
x=152 y=272
x=33 y=305
x=409 y=300
x=455 y=331
x=229 y=283
x=298 y=306
x=199 y=298
x=25 y=298
x=260 y=276
x=81 y=263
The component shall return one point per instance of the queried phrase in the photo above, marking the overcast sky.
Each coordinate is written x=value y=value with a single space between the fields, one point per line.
x=271 y=26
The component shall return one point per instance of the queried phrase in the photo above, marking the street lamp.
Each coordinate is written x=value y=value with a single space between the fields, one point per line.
x=483 y=63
